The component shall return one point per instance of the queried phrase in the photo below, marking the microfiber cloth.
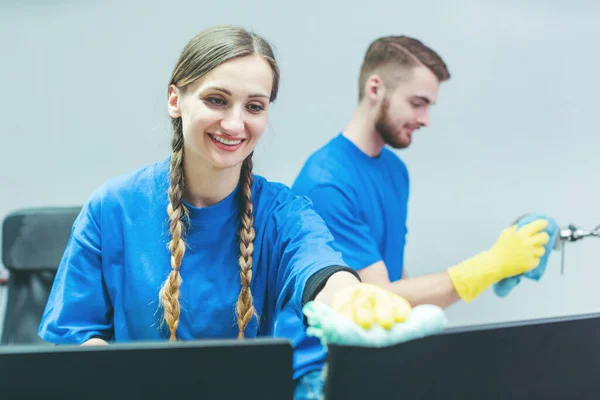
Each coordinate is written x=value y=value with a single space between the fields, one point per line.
x=333 y=328
x=504 y=287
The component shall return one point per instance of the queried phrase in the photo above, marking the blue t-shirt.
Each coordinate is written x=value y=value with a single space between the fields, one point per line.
x=116 y=260
x=363 y=201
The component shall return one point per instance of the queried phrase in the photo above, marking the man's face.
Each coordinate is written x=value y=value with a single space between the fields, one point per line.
x=406 y=108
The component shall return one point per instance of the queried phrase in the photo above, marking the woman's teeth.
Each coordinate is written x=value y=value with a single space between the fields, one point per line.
x=225 y=141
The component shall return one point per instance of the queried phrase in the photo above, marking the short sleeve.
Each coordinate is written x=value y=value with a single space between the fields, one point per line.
x=78 y=306
x=301 y=246
x=353 y=237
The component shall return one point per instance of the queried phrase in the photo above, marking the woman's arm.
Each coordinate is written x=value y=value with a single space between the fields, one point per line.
x=78 y=309
x=335 y=283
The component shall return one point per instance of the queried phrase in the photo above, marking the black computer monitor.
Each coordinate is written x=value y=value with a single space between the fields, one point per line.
x=215 y=369
x=557 y=358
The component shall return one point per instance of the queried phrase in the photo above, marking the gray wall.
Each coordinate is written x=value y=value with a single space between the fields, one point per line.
x=84 y=98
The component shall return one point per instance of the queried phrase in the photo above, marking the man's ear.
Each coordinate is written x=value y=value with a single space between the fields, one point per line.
x=374 y=89
x=173 y=105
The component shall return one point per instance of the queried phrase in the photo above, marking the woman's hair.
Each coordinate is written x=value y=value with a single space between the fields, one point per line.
x=206 y=51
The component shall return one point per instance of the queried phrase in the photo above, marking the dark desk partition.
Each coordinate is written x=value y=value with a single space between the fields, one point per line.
x=555 y=358
x=258 y=369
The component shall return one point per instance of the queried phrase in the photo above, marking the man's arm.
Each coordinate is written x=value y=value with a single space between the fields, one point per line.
x=515 y=252
x=355 y=241
x=434 y=289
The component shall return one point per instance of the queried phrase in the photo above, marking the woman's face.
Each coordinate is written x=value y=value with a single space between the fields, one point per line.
x=224 y=113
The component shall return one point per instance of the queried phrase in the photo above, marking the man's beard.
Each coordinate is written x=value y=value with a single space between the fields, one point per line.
x=386 y=129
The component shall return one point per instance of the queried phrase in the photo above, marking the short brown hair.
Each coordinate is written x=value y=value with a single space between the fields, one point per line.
x=391 y=56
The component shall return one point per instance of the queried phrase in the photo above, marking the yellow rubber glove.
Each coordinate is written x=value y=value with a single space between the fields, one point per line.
x=367 y=304
x=515 y=252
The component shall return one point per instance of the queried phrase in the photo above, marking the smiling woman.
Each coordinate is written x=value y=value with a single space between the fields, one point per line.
x=225 y=111
x=201 y=214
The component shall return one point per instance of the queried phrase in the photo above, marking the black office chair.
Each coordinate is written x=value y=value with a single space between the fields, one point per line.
x=33 y=243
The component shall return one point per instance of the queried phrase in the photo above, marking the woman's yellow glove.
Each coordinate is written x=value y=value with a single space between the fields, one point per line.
x=367 y=305
x=515 y=252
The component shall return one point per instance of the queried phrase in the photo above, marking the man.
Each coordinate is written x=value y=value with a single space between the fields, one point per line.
x=360 y=188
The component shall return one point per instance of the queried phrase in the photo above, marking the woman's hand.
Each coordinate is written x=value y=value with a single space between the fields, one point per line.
x=369 y=305
x=366 y=315
x=363 y=303
x=95 y=342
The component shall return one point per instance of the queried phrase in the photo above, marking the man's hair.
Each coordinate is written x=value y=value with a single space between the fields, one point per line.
x=392 y=58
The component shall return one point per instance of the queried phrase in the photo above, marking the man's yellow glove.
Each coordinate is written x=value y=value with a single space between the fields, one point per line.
x=367 y=304
x=515 y=252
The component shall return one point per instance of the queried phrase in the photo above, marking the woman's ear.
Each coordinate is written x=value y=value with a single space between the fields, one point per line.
x=173 y=105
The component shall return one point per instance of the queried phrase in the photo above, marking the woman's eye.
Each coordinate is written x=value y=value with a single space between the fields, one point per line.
x=215 y=101
x=256 y=108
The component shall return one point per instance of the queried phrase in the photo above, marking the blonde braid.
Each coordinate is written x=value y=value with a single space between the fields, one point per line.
x=245 y=307
x=169 y=293
x=208 y=50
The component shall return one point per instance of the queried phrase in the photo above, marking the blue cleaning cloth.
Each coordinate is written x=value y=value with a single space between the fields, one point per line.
x=333 y=328
x=504 y=287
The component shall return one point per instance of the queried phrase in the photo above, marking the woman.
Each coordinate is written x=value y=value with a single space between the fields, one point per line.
x=197 y=236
